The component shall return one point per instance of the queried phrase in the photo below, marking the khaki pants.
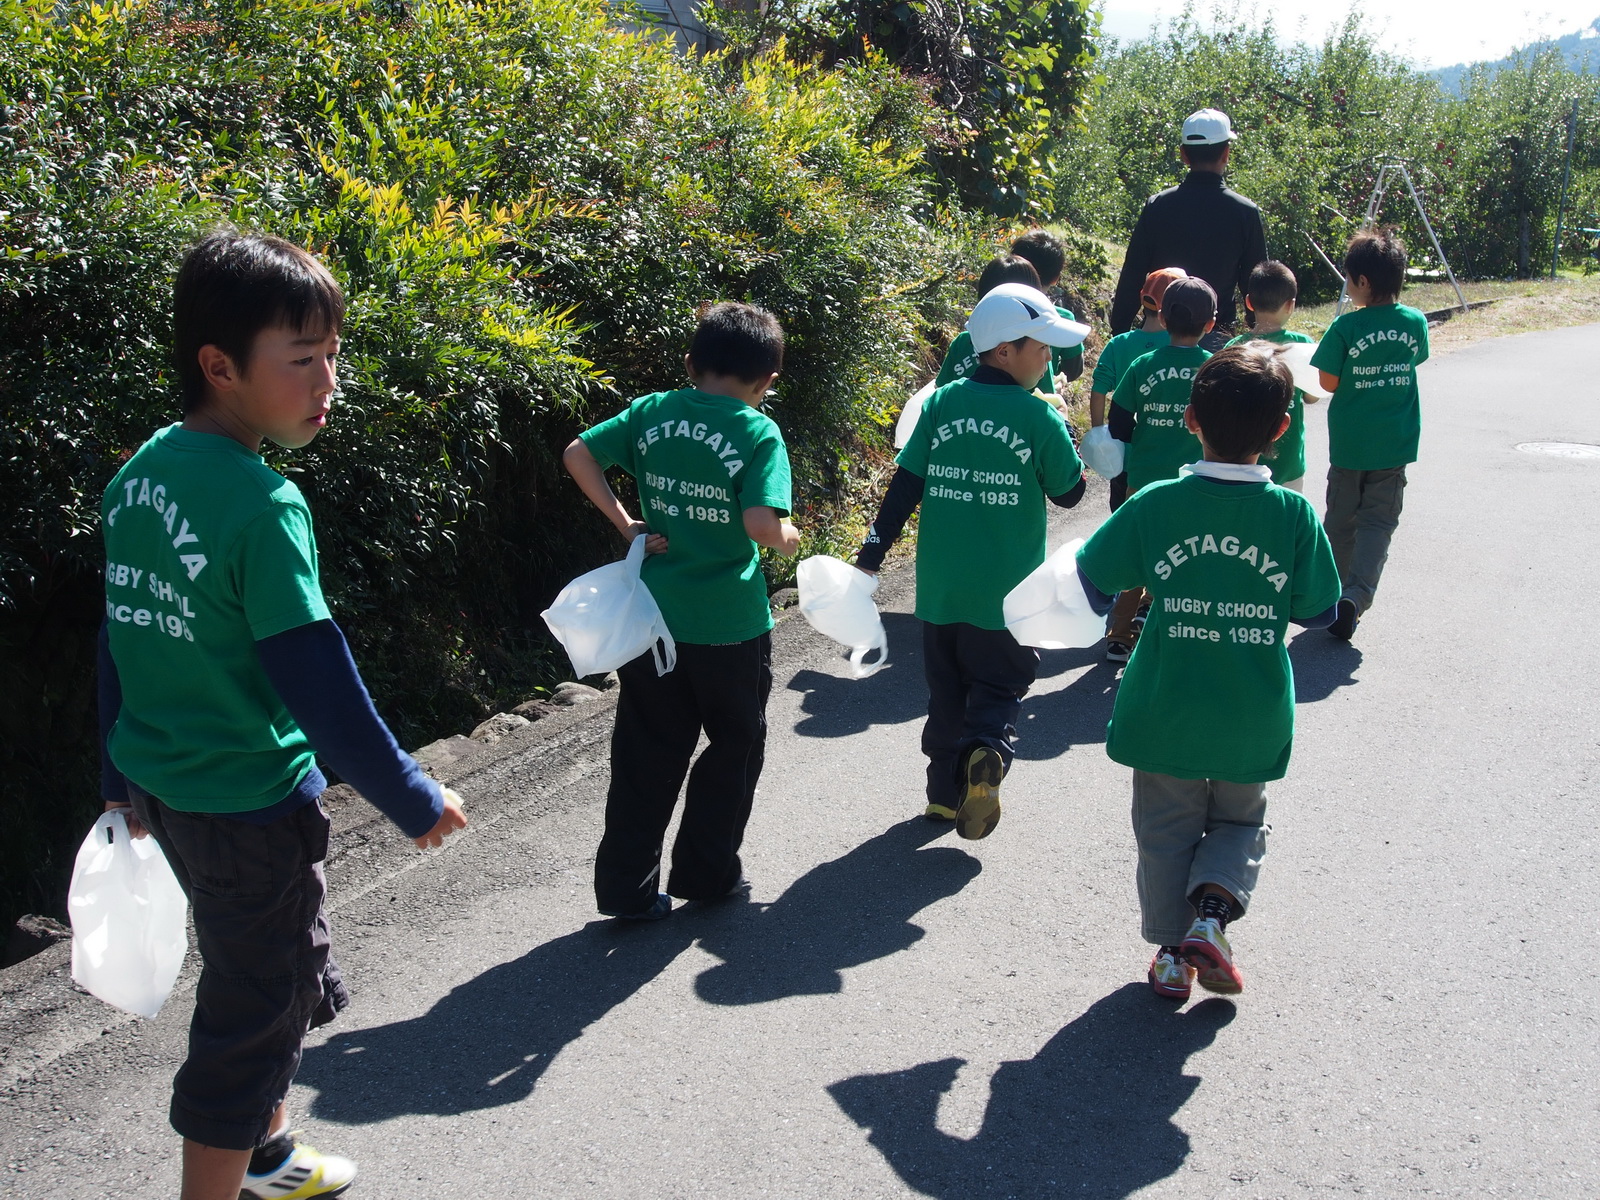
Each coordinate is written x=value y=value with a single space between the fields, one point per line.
x=1363 y=511
x=1123 y=611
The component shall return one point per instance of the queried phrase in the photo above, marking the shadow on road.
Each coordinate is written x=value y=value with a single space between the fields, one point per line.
x=488 y=1041
x=836 y=706
x=1322 y=665
x=844 y=913
x=1053 y=722
x=1090 y=1114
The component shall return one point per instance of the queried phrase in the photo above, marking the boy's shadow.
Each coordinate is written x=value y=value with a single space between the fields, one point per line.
x=1052 y=723
x=850 y=911
x=1090 y=1114
x=837 y=707
x=1322 y=665
x=489 y=1040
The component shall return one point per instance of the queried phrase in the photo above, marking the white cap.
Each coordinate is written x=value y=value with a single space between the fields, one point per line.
x=1015 y=310
x=1207 y=127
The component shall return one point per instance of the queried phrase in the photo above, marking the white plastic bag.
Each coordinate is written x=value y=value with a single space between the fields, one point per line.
x=127 y=912
x=608 y=617
x=1049 y=608
x=836 y=599
x=910 y=414
x=1101 y=452
x=1306 y=377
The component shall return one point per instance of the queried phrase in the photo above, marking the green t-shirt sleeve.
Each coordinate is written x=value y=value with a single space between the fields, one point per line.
x=765 y=480
x=273 y=568
x=1330 y=353
x=1316 y=578
x=1110 y=558
x=1104 y=380
x=611 y=442
x=1055 y=460
x=1422 y=338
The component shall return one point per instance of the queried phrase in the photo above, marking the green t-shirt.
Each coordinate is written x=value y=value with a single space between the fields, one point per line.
x=1120 y=353
x=700 y=461
x=1155 y=389
x=1287 y=458
x=1209 y=693
x=208 y=551
x=1375 y=418
x=961 y=359
x=990 y=454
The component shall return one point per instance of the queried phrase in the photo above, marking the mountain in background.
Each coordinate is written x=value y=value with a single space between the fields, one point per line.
x=1581 y=50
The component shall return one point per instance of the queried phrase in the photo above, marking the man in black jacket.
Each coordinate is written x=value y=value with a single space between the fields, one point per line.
x=1201 y=225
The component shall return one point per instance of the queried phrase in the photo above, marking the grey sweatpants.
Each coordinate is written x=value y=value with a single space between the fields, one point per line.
x=1363 y=511
x=1192 y=832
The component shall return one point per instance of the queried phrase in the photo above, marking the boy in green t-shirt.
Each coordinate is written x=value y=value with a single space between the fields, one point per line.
x=1121 y=351
x=985 y=454
x=1271 y=296
x=713 y=478
x=1205 y=713
x=222 y=680
x=1045 y=251
x=1147 y=413
x=1368 y=359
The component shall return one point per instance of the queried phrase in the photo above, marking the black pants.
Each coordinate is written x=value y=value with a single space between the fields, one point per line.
x=719 y=689
x=266 y=976
x=976 y=681
x=1118 y=491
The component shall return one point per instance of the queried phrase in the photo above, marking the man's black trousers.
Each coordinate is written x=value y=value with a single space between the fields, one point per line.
x=976 y=681
x=719 y=689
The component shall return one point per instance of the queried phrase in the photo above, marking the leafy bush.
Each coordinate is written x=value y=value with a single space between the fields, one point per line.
x=526 y=205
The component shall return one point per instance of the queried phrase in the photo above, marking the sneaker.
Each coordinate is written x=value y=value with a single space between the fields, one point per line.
x=661 y=907
x=1170 y=976
x=1140 y=617
x=1345 y=620
x=979 y=812
x=303 y=1174
x=1207 y=950
x=939 y=812
x=1118 y=651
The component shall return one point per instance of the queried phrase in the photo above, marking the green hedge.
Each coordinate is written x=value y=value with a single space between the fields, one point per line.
x=526 y=205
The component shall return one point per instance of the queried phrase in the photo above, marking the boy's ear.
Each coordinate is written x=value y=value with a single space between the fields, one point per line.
x=219 y=370
x=688 y=366
x=771 y=379
x=1249 y=305
x=1210 y=325
x=1283 y=427
x=1191 y=423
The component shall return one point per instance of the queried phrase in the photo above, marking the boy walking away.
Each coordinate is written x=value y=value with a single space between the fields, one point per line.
x=984 y=455
x=1205 y=713
x=1147 y=413
x=1368 y=359
x=961 y=360
x=1121 y=351
x=1044 y=250
x=713 y=476
x=1271 y=296
x=222 y=679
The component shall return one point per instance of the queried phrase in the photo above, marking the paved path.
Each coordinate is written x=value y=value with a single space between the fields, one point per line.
x=898 y=1013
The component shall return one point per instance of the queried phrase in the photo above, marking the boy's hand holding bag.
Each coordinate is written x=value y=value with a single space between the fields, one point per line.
x=608 y=617
x=1101 y=452
x=128 y=913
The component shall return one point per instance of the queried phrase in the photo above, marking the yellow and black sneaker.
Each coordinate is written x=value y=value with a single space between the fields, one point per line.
x=305 y=1175
x=939 y=812
x=979 y=811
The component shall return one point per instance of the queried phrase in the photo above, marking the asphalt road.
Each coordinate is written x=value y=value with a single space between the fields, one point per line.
x=899 y=1013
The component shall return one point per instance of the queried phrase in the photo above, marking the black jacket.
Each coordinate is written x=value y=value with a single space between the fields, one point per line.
x=1204 y=227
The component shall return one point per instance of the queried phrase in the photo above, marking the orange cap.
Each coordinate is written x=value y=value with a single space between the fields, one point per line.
x=1155 y=286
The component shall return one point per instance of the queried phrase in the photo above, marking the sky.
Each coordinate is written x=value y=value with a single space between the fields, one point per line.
x=1429 y=33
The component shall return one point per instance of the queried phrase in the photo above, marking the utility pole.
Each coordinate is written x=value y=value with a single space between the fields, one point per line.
x=1566 y=177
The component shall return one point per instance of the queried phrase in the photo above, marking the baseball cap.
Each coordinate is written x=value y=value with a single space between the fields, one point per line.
x=1207 y=127
x=1015 y=310
x=1156 y=284
x=1191 y=296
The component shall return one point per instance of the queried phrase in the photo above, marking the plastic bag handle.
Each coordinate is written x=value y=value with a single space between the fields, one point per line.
x=635 y=556
x=664 y=649
x=859 y=667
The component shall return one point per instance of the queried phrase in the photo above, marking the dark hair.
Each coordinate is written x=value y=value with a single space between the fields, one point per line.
x=1206 y=154
x=1272 y=285
x=1380 y=255
x=735 y=339
x=1187 y=305
x=1043 y=249
x=233 y=285
x=1240 y=397
x=1007 y=268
